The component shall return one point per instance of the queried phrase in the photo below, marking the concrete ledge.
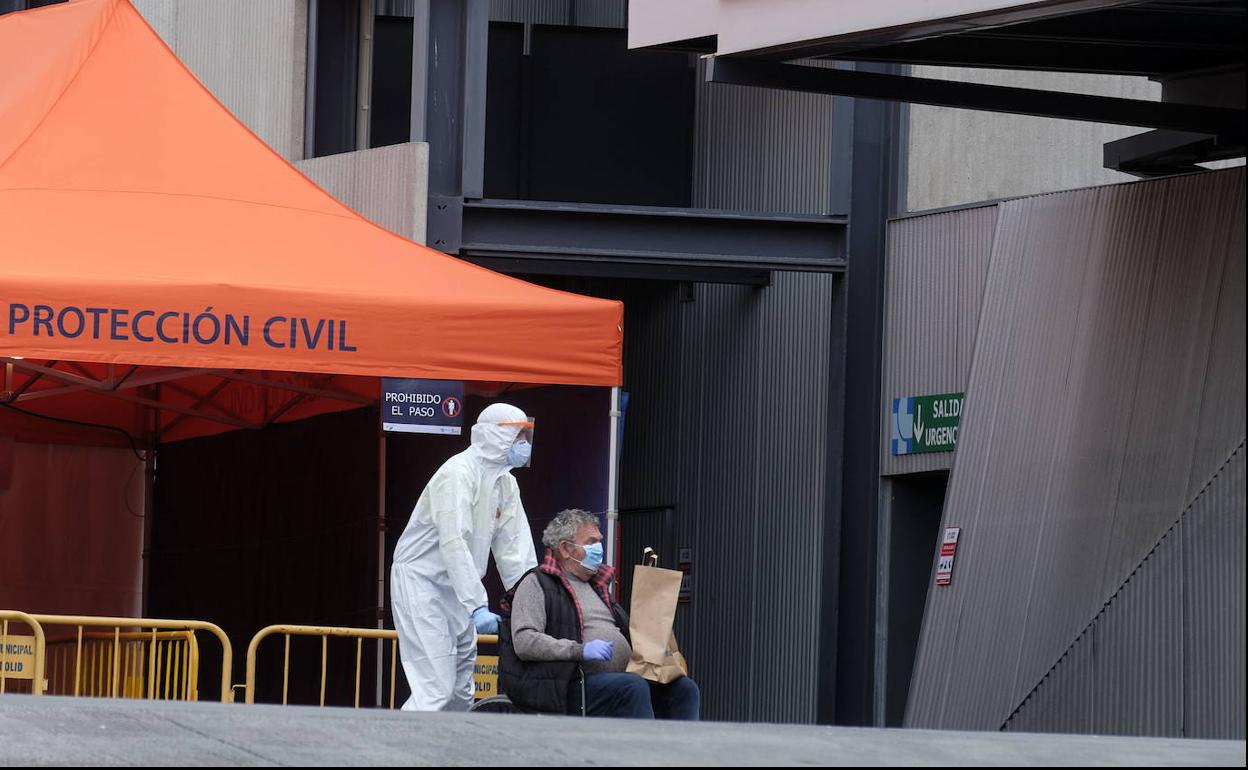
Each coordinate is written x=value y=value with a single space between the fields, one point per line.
x=387 y=185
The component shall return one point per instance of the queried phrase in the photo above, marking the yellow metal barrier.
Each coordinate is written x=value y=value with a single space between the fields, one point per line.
x=324 y=632
x=153 y=665
x=152 y=658
x=22 y=657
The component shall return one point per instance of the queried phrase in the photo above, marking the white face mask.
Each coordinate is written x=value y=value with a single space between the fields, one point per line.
x=518 y=454
x=593 y=557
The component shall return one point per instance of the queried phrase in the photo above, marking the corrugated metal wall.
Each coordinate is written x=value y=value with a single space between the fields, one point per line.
x=252 y=56
x=732 y=388
x=762 y=149
x=572 y=13
x=755 y=149
x=1107 y=389
x=937 y=266
x=403 y=8
x=1213 y=576
x=729 y=398
x=1160 y=658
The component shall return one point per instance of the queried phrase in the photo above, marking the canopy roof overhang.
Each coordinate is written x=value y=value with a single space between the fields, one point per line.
x=1194 y=48
x=1154 y=38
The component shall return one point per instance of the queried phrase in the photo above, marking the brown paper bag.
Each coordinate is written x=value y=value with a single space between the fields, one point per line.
x=653 y=609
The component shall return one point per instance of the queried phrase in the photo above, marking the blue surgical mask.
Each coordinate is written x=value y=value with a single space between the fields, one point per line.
x=518 y=454
x=593 y=557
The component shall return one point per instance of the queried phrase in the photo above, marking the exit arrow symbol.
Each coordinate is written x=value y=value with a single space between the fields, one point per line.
x=918 y=425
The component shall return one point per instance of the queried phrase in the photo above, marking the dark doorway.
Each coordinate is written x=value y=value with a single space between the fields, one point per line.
x=915 y=504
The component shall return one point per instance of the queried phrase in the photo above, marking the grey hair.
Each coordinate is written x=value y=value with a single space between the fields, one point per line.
x=564 y=525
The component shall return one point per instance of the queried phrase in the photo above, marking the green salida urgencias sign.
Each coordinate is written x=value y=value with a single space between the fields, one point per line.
x=926 y=423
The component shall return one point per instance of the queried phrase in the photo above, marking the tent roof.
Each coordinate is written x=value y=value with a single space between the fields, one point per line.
x=141 y=224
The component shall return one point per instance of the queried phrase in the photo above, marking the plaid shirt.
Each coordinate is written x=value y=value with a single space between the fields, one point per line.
x=601 y=579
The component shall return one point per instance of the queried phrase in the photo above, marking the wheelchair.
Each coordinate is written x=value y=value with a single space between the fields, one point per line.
x=501 y=704
x=495 y=704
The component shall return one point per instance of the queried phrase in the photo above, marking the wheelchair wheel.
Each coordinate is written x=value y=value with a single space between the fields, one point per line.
x=495 y=704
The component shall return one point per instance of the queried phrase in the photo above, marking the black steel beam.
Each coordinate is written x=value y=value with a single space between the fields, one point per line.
x=1028 y=53
x=647 y=242
x=877 y=163
x=1162 y=153
x=845 y=46
x=621 y=269
x=944 y=93
x=1187 y=25
x=454 y=117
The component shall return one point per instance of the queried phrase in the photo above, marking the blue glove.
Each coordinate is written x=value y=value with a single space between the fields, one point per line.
x=598 y=649
x=485 y=621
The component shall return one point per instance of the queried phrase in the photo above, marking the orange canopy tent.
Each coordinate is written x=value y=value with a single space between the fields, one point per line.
x=164 y=272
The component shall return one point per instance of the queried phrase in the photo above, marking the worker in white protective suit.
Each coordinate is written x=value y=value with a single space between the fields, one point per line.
x=470 y=507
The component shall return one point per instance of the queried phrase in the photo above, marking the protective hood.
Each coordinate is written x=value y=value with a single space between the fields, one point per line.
x=490 y=441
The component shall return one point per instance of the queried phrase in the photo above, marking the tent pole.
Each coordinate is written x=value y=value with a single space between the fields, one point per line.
x=152 y=417
x=381 y=553
x=613 y=482
x=149 y=492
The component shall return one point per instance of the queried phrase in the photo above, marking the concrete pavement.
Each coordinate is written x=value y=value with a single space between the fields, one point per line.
x=48 y=730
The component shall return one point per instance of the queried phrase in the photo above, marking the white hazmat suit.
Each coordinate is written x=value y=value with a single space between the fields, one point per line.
x=470 y=507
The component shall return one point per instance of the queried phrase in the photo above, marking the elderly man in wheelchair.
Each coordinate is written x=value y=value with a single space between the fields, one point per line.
x=565 y=646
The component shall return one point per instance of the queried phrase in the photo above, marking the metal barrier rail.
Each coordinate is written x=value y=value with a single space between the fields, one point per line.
x=155 y=665
x=157 y=662
x=324 y=632
x=38 y=683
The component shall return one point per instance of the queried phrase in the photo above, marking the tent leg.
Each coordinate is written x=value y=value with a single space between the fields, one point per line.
x=149 y=504
x=381 y=555
x=613 y=482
